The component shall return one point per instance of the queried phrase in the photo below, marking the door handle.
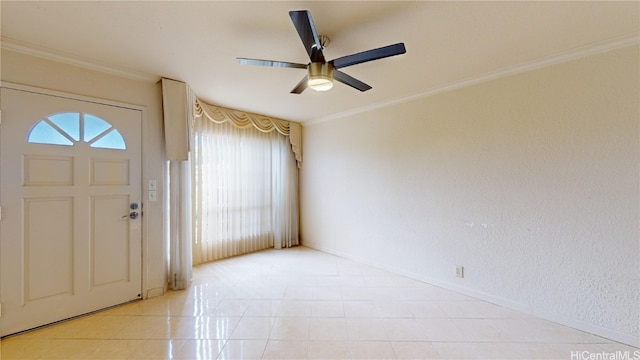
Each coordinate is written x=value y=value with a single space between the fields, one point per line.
x=132 y=215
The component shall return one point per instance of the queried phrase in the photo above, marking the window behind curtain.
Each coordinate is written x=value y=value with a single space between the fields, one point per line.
x=240 y=181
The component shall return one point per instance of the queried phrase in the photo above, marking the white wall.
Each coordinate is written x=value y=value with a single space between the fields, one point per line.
x=28 y=70
x=531 y=182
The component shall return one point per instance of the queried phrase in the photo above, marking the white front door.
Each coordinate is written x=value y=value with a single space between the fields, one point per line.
x=70 y=185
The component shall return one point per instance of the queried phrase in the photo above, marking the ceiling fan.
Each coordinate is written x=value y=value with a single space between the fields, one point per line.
x=321 y=73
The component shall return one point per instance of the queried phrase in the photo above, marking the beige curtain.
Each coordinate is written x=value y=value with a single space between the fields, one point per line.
x=244 y=181
x=212 y=213
x=245 y=120
x=245 y=190
x=178 y=116
x=178 y=113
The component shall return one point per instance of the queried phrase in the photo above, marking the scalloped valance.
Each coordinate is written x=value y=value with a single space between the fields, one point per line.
x=263 y=123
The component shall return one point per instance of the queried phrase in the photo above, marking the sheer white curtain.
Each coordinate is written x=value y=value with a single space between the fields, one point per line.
x=179 y=228
x=244 y=190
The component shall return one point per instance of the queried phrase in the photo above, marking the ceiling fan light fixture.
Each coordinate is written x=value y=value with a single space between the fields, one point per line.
x=320 y=76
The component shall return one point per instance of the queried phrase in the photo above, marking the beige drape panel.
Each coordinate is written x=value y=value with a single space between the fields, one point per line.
x=263 y=123
x=178 y=117
x=176 y=110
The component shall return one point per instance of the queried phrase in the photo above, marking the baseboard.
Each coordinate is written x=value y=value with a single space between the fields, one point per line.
x=594 y=329
x=155 y=292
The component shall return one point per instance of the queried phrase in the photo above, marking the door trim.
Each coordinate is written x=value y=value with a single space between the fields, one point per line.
x=144 y=163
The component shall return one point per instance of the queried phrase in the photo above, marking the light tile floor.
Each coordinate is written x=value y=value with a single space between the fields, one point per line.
x=304 y=304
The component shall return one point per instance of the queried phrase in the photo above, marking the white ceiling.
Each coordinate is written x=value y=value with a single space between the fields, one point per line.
x=447 y=43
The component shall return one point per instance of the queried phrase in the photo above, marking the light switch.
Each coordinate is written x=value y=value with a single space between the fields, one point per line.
x=152 y=185
x=152 y=195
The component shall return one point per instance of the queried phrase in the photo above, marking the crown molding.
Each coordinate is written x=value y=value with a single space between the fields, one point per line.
x=71 y=59
x=577 y=53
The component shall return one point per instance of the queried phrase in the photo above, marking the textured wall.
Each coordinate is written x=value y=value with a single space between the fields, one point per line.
x=27 y=70
x=530 y=181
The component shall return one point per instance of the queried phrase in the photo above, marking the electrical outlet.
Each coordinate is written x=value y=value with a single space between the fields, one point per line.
x=459 y=271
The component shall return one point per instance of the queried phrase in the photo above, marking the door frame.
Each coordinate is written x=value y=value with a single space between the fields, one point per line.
x=144 y=163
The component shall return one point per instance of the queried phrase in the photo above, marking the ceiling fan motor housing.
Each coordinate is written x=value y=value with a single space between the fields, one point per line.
x=320 y=76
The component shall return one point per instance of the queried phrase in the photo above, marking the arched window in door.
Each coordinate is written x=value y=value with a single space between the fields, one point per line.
x=68 y=128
